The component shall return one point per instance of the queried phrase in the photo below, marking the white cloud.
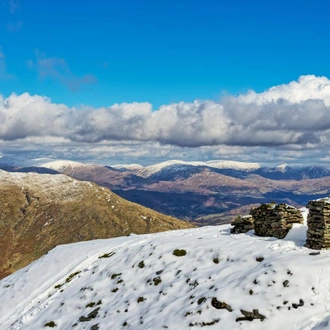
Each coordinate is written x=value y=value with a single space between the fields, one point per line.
x=306 y=88
x=289 y=118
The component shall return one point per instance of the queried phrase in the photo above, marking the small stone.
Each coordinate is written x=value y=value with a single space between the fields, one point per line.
x=250 y=316
x=220 y=305
x=90 y=316
x=95 y=327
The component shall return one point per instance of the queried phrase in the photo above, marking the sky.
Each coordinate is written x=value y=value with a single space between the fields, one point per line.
x=145 y=81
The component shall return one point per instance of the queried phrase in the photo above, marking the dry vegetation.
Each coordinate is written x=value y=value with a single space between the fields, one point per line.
x=39 y=212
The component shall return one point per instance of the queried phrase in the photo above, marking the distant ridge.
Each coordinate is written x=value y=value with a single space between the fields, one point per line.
x=209 y=192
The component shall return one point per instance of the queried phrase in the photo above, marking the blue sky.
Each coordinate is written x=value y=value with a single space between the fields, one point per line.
x=90 y=55
x=162 y=51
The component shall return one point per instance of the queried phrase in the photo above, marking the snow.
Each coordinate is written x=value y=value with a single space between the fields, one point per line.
x=282 y=167
x=61 y=165
x=216 y=265
x=325 y=200
x=228 y=164
x=54 y=187
x=152 y=169
x=132 y=167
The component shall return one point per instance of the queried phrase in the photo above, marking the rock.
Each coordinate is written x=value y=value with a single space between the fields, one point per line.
x=250 y=316
x=242 y=224
x=275 y=220
x=318 y=233
x=90 y=316
x=220 y=305
x=286 y=283
x=95 y=327
x=301 y=303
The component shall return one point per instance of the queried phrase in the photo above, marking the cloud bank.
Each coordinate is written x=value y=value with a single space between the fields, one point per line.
x=292 y=117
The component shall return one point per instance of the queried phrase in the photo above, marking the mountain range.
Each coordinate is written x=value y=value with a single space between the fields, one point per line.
x=205 y=193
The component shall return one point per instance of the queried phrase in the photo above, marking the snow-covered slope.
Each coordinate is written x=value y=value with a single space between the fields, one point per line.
x=156 y=168
x=228 y=164
x=132 y=167
x=61 y=165
x=152 y=169
x=139 y=282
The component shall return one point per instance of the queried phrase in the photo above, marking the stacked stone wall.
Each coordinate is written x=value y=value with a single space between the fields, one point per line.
x=242 y=224
x=275 y=220
x=318 y=233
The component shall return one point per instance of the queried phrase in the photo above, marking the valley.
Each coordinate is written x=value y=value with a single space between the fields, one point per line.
x=204 y=193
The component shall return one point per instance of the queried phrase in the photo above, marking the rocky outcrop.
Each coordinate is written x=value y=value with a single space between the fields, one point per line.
x=318 y=233
x=270 y=220
x=242 y=224
x=250 y=316
x=275 y=220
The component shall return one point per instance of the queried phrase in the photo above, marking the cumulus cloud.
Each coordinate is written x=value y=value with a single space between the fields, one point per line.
x=292 y=117
x=59 y=70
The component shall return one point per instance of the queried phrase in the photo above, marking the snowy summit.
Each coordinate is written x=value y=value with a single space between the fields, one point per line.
x=185 y=279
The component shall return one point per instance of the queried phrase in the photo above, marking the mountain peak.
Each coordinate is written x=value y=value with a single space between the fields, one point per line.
x=60 y=165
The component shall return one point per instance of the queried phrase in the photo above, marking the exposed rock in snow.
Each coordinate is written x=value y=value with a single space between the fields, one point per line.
x=186 y=279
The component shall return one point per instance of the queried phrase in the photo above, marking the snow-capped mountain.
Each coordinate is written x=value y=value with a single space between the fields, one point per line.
x=176 y=168
x=186 y=279
x=148 y=171
x=196 y=190
x=228 y=164
x=156 y=168
x=61 y=165
x=131 y=167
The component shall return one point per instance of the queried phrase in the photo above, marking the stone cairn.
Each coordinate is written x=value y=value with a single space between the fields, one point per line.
x=242 y=224
x=275 y=220
x=318 y=221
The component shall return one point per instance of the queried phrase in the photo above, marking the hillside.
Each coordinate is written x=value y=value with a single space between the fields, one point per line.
x=40 y=211
x=186 y=279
